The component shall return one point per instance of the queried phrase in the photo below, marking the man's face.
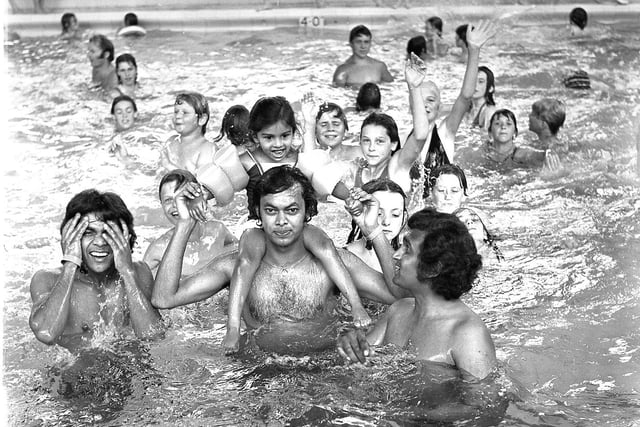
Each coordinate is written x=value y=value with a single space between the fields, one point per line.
x=94 y=53
x=360 y=45
x=96 y=252
x=406 y=260
x=283 y=216
x=168 y=202
x=124 y=114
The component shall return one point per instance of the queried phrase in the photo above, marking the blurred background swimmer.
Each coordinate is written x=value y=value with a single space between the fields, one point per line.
x=131 y=27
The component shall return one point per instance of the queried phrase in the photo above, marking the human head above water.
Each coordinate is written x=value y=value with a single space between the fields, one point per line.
x=578 y=17
x=199 y=104
x=385 y=121
x=126 y=58
x=268 y=111
x=125 y=111
x=130 y=19
x=490 y=84
x=436 y=23
x=418 y=46
x=387 y=212
x=368 y=97
x=507 y=114
x=104 y=44
x=551 y=111
x=359 y=30
x=234 y=126
x=67 y=21
x=169 y=183
x=448 y=185
x=279 y=179
x=107 y=206
x=461 y=33
x=447 y=255
x=178 y=177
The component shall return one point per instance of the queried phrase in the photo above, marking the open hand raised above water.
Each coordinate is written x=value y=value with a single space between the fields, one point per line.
x=479 y=34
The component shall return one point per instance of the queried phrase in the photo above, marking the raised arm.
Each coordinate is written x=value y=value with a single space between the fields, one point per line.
x=477 y=36
x=51 y=293
x=307 y=108
x=137 y=281
x=414 y=71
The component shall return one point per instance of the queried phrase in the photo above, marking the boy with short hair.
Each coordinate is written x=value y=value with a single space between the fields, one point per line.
x=100 y=54
x=360 y=68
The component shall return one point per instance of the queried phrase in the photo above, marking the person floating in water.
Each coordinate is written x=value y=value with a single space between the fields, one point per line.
x=100 y=53
x=98 y=290
x=360 y=68
x=284 y=200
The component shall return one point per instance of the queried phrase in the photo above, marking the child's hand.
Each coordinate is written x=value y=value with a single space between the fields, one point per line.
x=308 y=107
x=477 y=36
x=415 y=71
x=551 y=161
x=190 y=202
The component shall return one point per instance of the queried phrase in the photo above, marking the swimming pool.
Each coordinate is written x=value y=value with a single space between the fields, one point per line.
x=563 y=309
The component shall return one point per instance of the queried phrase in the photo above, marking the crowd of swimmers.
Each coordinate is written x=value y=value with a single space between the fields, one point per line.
x=283 y=272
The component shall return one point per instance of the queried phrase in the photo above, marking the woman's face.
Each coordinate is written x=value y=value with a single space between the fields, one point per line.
x=391 y=214
x=376 y=144
x=127 y=73
x=474 y=225
x=502 y=129
x=481 y=85
x=447 y=193
x=330 y=129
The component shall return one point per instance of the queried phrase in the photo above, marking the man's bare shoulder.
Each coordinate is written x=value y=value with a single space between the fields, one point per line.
x=46 y=275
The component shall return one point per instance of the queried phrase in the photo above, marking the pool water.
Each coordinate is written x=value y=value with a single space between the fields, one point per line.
x=562 y=308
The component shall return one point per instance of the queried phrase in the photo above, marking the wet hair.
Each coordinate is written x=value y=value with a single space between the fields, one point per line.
x=179 y=176
x=387 y=122
x=234 y=126
x=447 y=256
x=416 y=45
x=120 y=98
x=449 y=169
x=551 y=111
x=199 y=104
x=130 y=19
x=436 y=23
x=330 y=107
x=504 y=113
x=65 y=21
x=368 y=97
x=461 y=31
x=127 y=58
x=104 y=43
x=268 y=111
x=578 y=16
x=372 y=187
x=359 y=30
x=490 y=89
x=279 y=179
x=107 y=206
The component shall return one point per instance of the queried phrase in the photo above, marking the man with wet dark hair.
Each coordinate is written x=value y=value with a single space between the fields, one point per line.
x=98 y=290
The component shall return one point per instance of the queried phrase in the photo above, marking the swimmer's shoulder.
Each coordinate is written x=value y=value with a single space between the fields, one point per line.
x=401 y=307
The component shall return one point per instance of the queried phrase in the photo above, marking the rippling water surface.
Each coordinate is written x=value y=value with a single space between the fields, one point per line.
x=562 y=308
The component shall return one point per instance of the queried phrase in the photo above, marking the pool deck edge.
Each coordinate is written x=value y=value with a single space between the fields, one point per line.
x=228 y=19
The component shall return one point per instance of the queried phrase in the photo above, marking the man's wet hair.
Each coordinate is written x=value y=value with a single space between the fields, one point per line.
x=279 y=179
x=503 y=112
x=107 y=206
x=552 y=112
x=578 y=16
x=330 y=107
x=368 y=97
x=199 y=104
x=461 y=31
x=179 y=176
x=105 y=45
x=447 y=256
x=120 y=98
x=387 y=122
x=436 y=22
x=359 y=30
x=65 y=21
x=449 y=169
x=130 y=19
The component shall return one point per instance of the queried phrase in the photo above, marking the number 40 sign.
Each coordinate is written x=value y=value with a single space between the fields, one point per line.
x=311 y=21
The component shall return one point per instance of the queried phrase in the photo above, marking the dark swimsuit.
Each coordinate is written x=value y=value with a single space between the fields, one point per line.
x=362 y=165
x=436 y=156
x=476 y=121
x=508 y=162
